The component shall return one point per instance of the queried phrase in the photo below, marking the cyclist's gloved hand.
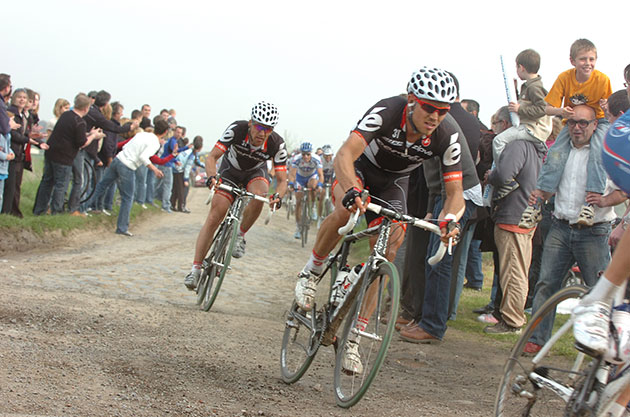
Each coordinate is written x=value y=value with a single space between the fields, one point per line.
x=211 y=181
x=349 y=199
x=450 y=229
x=275 y=200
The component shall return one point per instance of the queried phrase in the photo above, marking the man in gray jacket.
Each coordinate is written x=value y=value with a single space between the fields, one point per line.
x=520 y=160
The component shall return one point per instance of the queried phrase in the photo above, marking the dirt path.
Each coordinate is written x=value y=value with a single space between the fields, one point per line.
x=103 y=326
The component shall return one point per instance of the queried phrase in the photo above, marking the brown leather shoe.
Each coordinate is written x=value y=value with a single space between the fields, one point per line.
x=416 y=334
x=401 y=322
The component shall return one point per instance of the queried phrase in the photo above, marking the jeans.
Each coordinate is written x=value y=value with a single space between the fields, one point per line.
x=141 y=184
x=552 y=169
x=164 y=186
x=108 y=201
x=126 y=180
x=53 y=185
x=437 y=288
x=150 y=187
x=466 y=264
x=564 y=245
x=77 y=181
x=98 y=174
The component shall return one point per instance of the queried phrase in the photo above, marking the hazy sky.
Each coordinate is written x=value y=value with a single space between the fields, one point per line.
x=322 y=63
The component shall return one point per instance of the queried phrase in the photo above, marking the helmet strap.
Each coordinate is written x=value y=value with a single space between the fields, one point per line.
x=410 y=107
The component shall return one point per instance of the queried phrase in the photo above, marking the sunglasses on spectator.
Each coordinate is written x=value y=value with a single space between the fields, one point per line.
x=430 y=108
x=582 y=123
x=263 y=128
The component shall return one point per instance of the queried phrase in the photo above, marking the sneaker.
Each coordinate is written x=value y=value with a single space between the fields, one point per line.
x=125 y=233
x=144 y=206
x=505 y=189
x=167 y=210
x=305 y=291
x=239 y=247
x=314 y=213
x=487 y=318
x=351 y=358
x=590 y=327
x=531 y=349
x=471 y=287
x=586 y=216
x=502 y=328
x=530 y=217
x=78 y=214
x=191 y=279
x=185 y=210
x=319 y=222
x=105 y=212
x=297 y=234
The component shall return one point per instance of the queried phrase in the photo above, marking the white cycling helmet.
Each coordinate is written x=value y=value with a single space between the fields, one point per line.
x=327 y=150
x=265 y=114
x=432 y=84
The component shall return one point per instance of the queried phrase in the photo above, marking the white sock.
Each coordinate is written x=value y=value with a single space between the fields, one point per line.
x=315 y=264
x=603 y=291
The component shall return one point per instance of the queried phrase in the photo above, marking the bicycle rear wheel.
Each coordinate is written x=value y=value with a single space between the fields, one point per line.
x=374 y=340
x=216 y=265
x=532 y=386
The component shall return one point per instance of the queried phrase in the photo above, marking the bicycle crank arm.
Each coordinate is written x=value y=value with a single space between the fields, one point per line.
x=562 y=391
x=370 y=336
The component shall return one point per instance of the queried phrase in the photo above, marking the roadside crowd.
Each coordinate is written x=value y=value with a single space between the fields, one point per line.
x=535 y=189
x=93 y=133
x=547 y=206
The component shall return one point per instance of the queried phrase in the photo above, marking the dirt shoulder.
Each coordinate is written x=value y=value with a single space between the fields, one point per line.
x=101 y=325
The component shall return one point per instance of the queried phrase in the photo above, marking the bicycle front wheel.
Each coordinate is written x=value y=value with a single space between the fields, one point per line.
x=305 y=222
x=542 y=385
x=88 y=186
x=216 y=265
x=367 y=332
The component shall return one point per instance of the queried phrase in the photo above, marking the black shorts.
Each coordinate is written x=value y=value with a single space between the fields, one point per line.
x=241 y=178
x=387 y=189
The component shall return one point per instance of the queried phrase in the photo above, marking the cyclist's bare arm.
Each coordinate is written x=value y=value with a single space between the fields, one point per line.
x=343 y=164
x=211 y=162
x=618 y=270
x=454 y=204
x=281 y=177
x=292 y=173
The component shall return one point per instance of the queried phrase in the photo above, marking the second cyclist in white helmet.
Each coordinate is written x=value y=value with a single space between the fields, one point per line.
x=246 y=146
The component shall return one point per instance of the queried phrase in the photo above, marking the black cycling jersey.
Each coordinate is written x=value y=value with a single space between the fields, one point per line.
x=241 y=155
x=383 y=128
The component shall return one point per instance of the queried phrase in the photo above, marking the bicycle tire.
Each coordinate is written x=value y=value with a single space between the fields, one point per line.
x=88 y=186
x=289 y=204
x=350 y=387
x=299 y=344
x=305 y=221
x=205 y=268
x=218 y=265
x=518 y=393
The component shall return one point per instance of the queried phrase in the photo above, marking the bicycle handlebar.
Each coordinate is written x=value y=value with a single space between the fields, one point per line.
x=241 y=192
x=414 y=221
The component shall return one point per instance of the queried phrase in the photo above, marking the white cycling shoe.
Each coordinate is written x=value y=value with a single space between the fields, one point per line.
x=351 y=358
x=591 y=327
x=305 y=291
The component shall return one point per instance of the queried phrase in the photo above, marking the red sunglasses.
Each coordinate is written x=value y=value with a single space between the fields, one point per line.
x=430 y=108
x=263 y=128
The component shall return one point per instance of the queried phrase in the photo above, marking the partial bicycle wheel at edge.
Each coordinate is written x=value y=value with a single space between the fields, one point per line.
x=374 y=340
x=519 y=393
x=218 y=265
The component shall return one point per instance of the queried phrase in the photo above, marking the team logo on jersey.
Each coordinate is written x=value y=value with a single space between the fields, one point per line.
x=426 y=141
x=372 y=121
x=228 y=135
x=453 y=152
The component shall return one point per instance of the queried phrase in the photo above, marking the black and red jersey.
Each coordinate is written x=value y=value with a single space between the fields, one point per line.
x=236 y=144
x=383 y=128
